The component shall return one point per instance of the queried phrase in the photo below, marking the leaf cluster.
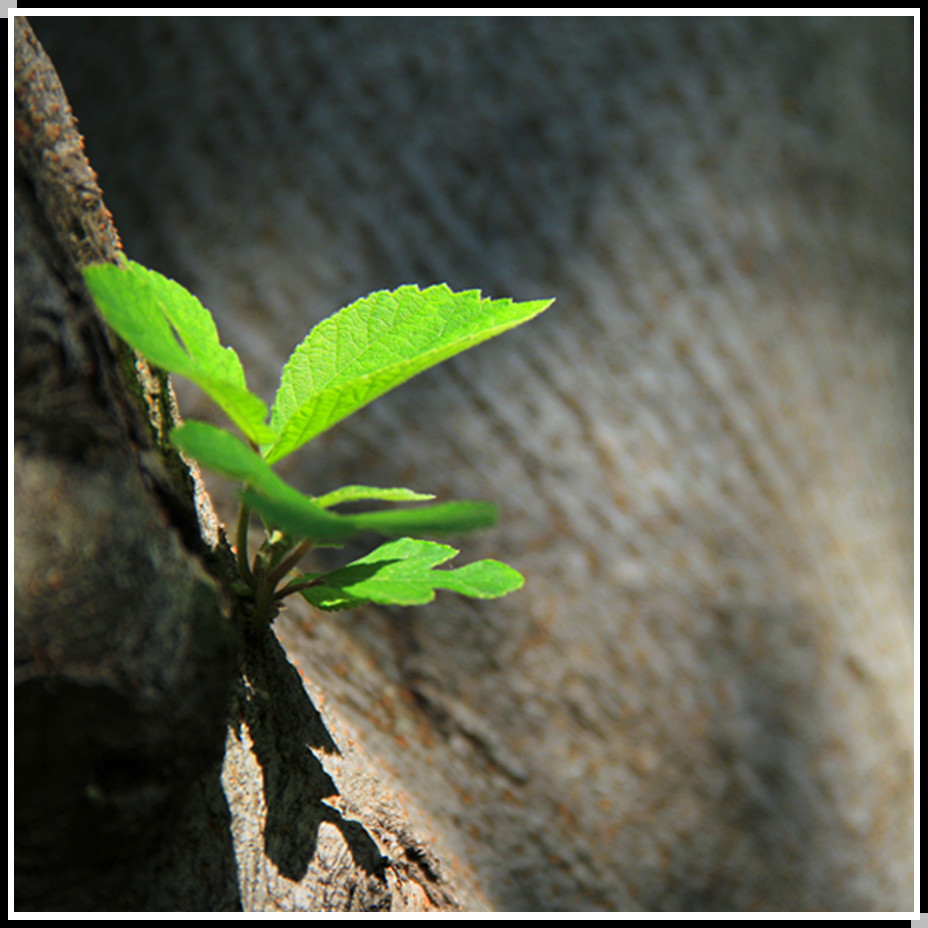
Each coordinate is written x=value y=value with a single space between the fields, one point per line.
x=345 y=362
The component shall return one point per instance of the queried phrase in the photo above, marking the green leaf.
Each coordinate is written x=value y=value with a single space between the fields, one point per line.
x=286 y=508
x=299 y=515
x=439 y=519
x=402 y=572
x=376 y=344
x=265 y=492
x=356 y=493
x=172 y=329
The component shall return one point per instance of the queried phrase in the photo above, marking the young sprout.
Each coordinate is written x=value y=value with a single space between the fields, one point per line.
x=348 y=360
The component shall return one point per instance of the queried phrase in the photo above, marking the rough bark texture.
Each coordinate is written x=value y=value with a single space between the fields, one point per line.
x=123 y=652
x=163 y=760
x=703 y=697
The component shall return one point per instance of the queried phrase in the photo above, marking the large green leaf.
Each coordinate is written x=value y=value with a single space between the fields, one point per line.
x=172 y=329
x=402 y=572
x=376 y=344
x=302 y=516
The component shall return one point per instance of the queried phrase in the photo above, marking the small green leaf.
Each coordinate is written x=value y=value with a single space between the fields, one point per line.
x=301 y=516
x=277 y=501
x=287 y=509
x=356 y=493
x=172 y=329
x=376 y=344
x=438 y=519
x=402 y=572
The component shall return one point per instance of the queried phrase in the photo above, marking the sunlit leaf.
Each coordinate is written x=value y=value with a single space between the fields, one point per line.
x=376 y=344
x=286 y=508
x=403 y=572
x=171 y=328
x=354 y=493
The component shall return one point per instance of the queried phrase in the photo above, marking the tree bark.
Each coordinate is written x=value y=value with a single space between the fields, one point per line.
x=123 y=653
x=702 y=699
x=163 y=759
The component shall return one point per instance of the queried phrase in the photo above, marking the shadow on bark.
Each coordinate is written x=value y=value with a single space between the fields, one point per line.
x=288 y=732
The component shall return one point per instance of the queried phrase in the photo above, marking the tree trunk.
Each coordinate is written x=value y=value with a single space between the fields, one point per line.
x=164 y=760
x=702 y=699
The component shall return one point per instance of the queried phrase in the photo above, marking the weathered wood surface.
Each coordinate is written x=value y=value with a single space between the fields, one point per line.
x=703 y=697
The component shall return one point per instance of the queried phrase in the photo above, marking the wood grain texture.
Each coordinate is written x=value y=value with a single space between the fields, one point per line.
x=703 y=697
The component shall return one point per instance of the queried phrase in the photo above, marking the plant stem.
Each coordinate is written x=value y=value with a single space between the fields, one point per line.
x=264 y=601
x=241 y=545
x=289 y=562
x=298 y=585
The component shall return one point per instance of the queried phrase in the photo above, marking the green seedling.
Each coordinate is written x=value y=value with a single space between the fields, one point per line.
x=349 y=359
